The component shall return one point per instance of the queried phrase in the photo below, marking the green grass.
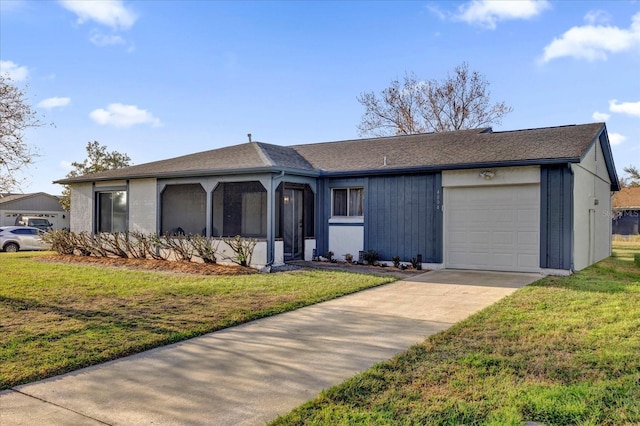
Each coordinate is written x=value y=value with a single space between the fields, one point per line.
x=562 y=351
x=56 y=318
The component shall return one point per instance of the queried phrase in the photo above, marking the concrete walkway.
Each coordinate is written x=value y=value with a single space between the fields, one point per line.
x=250 y=374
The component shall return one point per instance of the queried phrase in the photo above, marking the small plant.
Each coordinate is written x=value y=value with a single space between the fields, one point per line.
x=414 y=263
x=60 y=241
x=403 y=266
x=205 y=247
x=242 y=248
x=396 y=261
x=348 y=258
x=180 y=246
x=329 y=256
x=371 y=257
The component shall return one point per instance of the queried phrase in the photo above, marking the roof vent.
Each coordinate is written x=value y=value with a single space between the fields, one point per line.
x=249 y=136
x=384 y=161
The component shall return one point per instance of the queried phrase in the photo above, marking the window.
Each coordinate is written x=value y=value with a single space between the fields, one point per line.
x=112 y=211
x=240 y=208
x=348 y=202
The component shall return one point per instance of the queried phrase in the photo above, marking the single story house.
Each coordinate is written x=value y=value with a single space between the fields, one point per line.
x=626 y=211
x=39 y=204
x=535 y=200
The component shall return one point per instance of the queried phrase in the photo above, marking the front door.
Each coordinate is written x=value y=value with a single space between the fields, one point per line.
x=292 y=218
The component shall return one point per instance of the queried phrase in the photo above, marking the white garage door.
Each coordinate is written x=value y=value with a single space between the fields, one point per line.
x=493 y=227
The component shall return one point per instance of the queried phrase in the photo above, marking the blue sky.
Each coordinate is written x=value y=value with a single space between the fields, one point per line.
x=158 y=79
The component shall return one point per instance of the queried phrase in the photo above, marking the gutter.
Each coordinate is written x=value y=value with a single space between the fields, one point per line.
x=572 y=265
x=191 y=173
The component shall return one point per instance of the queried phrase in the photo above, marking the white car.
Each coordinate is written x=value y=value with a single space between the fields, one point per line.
x=14 y=238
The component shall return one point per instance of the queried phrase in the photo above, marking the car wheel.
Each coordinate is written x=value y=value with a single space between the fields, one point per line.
x=11 y=248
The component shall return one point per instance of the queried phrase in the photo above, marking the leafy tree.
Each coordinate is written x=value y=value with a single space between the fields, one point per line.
x=632 y=178
x=460 y=101
x=98 y=160
x=16 y=116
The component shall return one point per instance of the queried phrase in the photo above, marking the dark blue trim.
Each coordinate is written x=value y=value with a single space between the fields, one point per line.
x=346 y=224
x=603 y=137
x=556 y=217
x=444 y=167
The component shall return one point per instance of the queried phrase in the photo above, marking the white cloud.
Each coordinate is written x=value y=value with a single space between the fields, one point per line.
x=594 y=42
x=616 y=138
x=597 y=17
x=630 y=108
x=111 y=13
x=487 y=13
x=101 y=40
x=13 y=70
x=54 y=102
x=120 y=115
x=600 y=116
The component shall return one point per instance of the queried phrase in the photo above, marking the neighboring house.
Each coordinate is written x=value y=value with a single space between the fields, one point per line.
x=39 y=204
x=626 y=211
x=535 y=200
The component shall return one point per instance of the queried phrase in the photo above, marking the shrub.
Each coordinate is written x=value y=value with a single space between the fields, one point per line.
x=371 y=257
x=180 y=245
x=242 y=249
x=329 y=256
x=60 y=241
x=414 y=263
x=348 y=258
x=205 y=247
x=396 y=261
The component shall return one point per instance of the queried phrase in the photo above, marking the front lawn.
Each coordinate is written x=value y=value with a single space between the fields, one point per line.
x=564 y=350
x=55 y=317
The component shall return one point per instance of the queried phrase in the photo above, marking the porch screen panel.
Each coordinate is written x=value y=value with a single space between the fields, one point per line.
x=240 y=208
x=183 y=209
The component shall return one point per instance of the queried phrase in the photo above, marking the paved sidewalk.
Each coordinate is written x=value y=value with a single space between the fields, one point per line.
x=250 y=374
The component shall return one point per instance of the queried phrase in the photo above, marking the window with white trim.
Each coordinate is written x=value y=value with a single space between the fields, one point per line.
x=347 y=202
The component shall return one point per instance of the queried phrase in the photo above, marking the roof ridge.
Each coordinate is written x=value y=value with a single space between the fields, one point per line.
x=548 y=127
x=480 y=130
x=263 y=153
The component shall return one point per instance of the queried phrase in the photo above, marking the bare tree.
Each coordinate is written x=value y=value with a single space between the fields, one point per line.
x=98 y=160
x=16 y=116
x=461 y=101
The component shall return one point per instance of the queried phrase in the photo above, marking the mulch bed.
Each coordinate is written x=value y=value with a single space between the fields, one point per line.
x=152 y=265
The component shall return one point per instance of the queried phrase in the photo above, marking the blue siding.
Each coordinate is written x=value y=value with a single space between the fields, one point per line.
x=403 y=216
x=556 y=217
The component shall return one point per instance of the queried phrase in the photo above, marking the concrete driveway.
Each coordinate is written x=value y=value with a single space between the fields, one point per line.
x=250 y=374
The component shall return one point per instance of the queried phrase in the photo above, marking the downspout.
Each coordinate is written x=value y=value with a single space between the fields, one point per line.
x=572 y=266
x=271 y=243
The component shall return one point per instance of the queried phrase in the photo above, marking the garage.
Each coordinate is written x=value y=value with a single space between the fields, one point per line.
x=493 y=227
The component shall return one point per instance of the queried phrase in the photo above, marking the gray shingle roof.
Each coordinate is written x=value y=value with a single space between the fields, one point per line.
x=448 y=149
x=444 y=150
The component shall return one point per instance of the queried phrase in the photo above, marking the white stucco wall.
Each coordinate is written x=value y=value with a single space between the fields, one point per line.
x=502 y=176
x=224 y=254
x=143 y=205
x=591 y=210
x=81 y=207
x=309 y=246
x=278 y=253
x=345 y=239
